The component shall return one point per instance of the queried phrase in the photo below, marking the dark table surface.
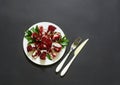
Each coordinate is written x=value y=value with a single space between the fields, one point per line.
x=98 y=20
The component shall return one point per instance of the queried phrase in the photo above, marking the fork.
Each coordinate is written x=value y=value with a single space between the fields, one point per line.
x=73 y=46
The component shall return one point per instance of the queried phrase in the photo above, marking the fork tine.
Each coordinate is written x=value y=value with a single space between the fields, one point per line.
x=78 y=40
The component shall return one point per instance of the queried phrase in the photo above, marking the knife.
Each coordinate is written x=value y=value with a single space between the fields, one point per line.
x=76 y=52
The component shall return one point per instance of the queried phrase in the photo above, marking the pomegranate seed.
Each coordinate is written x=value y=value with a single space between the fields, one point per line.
x=34 y=35
x=51 y=28
x=29 y=48
x=53 y=54
x=34 y=55
x=56 y=37
x=42 y=46
x=47 y=41
x=43 y=56
x=57 y=47
x=40 y=29
x=38 y=52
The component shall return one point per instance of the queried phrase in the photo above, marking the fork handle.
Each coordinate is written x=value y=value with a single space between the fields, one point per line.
x=62 y=62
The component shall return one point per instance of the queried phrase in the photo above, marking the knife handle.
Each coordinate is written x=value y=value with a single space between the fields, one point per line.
x=67 y=66
x=62 y=62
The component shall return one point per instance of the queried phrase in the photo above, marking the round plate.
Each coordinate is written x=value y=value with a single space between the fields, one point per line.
x=38 y=60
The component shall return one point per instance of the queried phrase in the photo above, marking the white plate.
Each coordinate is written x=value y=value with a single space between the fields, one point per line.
x=38 y=60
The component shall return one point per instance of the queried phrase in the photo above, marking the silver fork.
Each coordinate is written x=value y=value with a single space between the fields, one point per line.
x=73 y=46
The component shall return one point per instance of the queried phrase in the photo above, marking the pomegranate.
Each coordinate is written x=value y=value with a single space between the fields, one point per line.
x=56 y=36
x=57 y=47
x=45 y=42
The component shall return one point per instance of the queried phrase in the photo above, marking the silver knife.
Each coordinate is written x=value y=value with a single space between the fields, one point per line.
x=76 y=52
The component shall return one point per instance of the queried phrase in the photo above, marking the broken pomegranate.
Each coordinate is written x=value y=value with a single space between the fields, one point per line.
x=46 y=42
x=52 y=53
x=56 y=36
x=42 y=46
x=57 y=47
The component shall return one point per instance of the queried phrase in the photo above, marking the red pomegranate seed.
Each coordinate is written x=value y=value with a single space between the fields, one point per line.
x=41 y=29
x=43 y=56
x=36 y=44
x=38 y=52
x=34 y=35
x=51 y=28
x=42 y=46
x=29 y=48
x=34 y=55
x=40 y=35
x=53 y=54
x=56 y=37
x=47 y=41
x=57 y=47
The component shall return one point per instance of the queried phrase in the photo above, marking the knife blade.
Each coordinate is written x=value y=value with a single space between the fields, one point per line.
x=76 y=52
x=79 y=48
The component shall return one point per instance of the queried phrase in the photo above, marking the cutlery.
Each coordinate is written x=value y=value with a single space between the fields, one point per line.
x=73 y=46
x=76 y=52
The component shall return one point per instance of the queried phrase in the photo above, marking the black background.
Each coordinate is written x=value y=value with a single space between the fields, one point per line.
x=98 y=20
